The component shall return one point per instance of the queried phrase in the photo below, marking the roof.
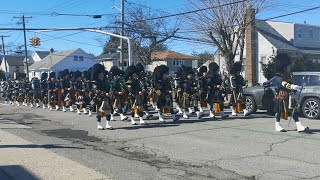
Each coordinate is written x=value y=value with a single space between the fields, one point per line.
x=167 y=55
x=14 y=60
x=50 y=61
x=279 y=42
x=110 y=56
x=113 y=56
x=42 y=54
x=274 y=37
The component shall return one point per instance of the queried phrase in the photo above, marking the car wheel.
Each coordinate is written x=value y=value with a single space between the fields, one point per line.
x=250 y=103
x=311 y=108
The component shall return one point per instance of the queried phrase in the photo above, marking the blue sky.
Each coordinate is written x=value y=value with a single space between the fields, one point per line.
x=41 y=12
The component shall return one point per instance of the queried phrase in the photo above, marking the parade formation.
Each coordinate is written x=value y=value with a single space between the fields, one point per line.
x=135 y=91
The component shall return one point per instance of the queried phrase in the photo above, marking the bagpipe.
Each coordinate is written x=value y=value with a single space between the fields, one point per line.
x=138 y=102
x=168 y=104
x=215 y=98
x=238 y=98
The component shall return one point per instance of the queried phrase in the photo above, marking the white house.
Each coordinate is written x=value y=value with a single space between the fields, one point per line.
x=74 y=59
x=39 y=55
x=113 y=59
x=12 y=64
x=270 y=38
x=264 y=39
x=173 y=60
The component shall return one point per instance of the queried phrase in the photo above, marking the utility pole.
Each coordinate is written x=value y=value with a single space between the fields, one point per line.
x=25 y=42
x=122 y=34
x=4 y=55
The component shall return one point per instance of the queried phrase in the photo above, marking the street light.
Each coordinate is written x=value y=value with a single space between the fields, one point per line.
x=121 y=33
x=115 y=7
x=96 y=31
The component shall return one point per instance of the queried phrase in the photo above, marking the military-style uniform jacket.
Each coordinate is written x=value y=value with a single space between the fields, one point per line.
x=163 y=88
x=236 y=83
x=214 y=92
x=283 y=86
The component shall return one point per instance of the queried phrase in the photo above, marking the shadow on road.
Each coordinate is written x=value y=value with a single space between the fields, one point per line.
x=15 y=172
x=46 y=146
x=150 y=125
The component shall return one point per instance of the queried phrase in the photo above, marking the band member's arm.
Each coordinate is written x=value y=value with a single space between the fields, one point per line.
x=233 y=82
x=290 y=86
x=282 y=82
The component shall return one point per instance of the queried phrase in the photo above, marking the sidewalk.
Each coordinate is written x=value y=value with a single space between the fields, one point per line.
x=21 y=159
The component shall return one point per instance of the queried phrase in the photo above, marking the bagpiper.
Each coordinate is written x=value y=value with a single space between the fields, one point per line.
x=117 y=92
x=89 y=94
x=65 y=86
x=189 y=88
x=35 y=93
x=52 y=91
x=163 y=90
x=135 y=94
x=285 y=89
x=102 y=99
x=80 y=96
x=202 y=89
x=44 y=89
x=214 y=95
x=9 y=92
x=177 y=89
x=237 y=82
x=144 y=83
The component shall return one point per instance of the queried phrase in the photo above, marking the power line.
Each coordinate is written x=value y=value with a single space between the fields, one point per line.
x=189 y=12
x=85 y=15
x=71 y=40
x=17 y=38
x=293 y=13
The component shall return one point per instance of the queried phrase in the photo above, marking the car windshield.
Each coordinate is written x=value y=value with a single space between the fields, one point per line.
x=314 y=80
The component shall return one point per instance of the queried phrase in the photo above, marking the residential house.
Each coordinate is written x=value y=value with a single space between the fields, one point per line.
x=269 y=38
x=264 y=39
x=12 y=64
x=39 y=55
x=173 y=60
x=74 y=59
x=113 y=59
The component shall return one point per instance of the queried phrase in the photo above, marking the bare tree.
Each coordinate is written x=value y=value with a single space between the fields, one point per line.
x=148 y=35
x=223 y=22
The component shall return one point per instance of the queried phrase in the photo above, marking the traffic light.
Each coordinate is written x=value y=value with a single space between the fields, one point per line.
x=32 y=42
x=35 y=41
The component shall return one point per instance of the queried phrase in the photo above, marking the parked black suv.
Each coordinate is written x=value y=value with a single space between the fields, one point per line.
x=259 y=97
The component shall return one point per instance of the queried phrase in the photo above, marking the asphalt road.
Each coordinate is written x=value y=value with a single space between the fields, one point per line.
x=234 y=148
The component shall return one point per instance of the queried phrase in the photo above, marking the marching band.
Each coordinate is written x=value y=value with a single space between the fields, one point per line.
x=137 y=91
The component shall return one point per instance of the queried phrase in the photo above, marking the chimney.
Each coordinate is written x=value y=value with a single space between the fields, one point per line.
x=250 y=71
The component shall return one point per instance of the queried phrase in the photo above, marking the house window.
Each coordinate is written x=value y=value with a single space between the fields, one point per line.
x=177 y=63
x=263 y=60
x=125 y=63
x=34 y=73
x=75 y=58
x=310 y=34
x=80 y=58
x=300 y=33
